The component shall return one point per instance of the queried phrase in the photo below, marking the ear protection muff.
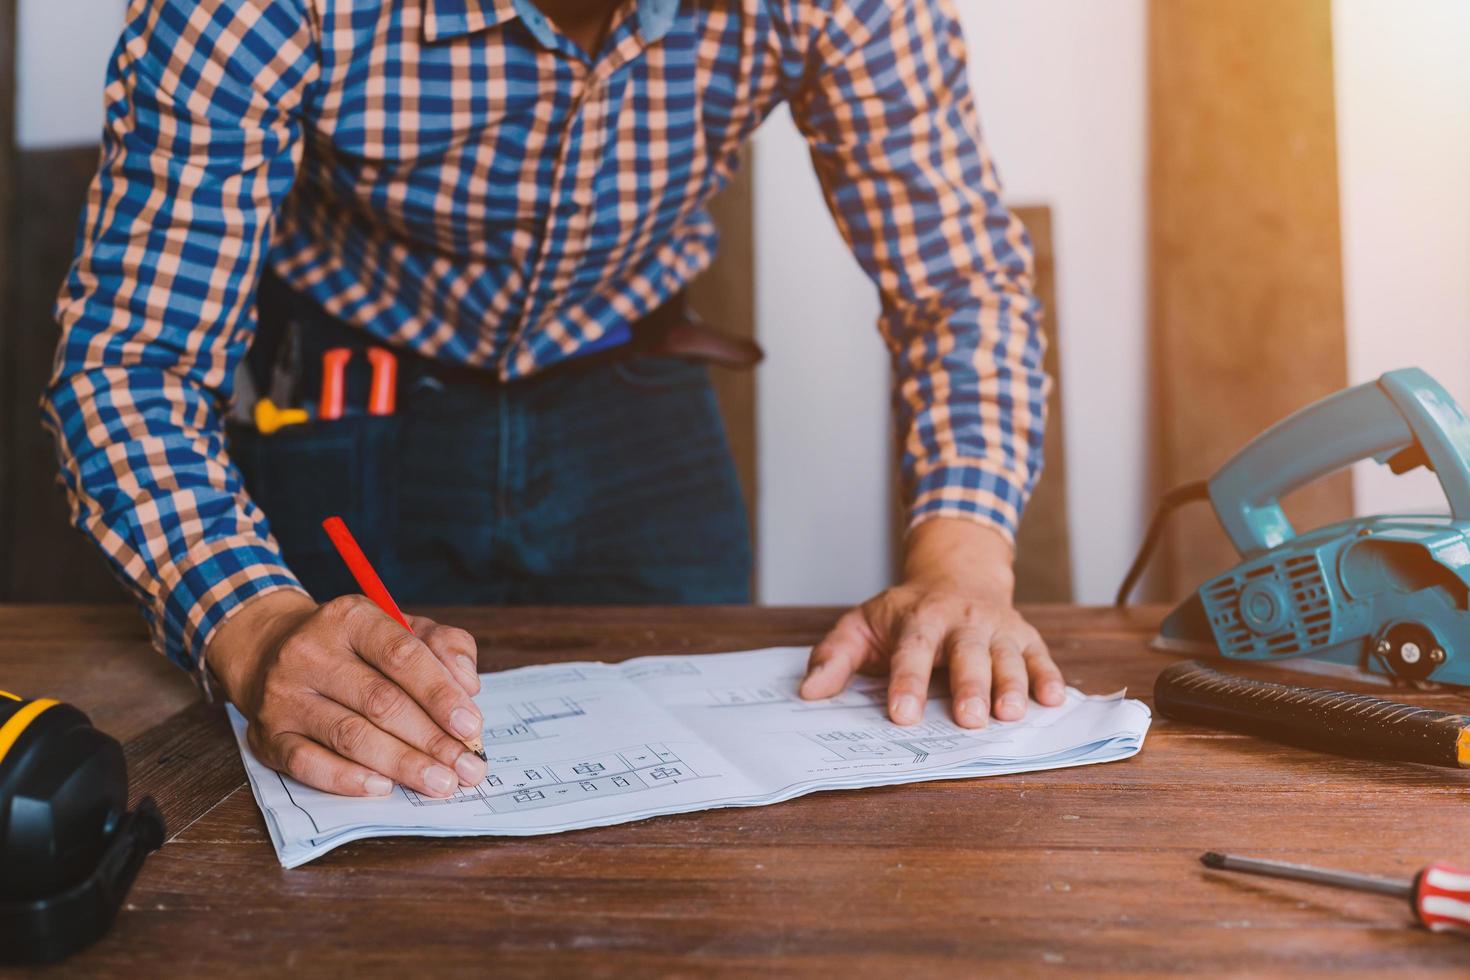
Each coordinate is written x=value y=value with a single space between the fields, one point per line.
x=69 y=847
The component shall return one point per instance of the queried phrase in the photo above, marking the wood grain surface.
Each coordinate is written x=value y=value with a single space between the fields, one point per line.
x=1088 y=871
x=724 y=296
x=1245 y=256
x=1044 y=540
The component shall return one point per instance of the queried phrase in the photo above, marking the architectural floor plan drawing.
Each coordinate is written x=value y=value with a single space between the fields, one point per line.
x=627 y=770
x=915 y=743
x=591 y=744
x=862 y=691
x=522 y=721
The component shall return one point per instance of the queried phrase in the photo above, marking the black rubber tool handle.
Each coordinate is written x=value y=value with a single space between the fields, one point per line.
x=1328 y=721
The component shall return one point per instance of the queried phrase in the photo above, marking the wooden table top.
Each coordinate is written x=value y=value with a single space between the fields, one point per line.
x=1089 y=870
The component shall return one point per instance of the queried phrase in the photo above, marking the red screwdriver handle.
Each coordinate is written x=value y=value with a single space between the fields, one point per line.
x=1442 y=897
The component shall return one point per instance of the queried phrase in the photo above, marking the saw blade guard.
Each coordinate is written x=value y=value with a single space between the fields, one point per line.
x=1405 y=419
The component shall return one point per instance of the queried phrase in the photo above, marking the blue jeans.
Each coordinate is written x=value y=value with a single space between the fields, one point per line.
x=605 y=480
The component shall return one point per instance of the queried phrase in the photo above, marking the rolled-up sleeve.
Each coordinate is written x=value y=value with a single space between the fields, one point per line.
x=884 y=101
x=200 y=146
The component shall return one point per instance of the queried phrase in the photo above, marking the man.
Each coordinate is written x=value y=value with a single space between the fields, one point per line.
x=506 y=193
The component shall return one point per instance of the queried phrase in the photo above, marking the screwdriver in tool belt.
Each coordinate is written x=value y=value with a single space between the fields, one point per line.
x=1439 y=894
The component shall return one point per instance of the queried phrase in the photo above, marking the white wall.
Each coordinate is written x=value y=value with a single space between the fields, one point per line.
x=62 y=48
x=822 y=429
x=1060 y=85
x=1403 y=123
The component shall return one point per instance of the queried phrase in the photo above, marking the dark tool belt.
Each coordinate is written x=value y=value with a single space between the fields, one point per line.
x=674 y=330
x=671 y=330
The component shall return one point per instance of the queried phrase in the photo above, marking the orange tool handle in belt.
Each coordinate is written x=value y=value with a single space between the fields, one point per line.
x=384 y=391
x=334 y=383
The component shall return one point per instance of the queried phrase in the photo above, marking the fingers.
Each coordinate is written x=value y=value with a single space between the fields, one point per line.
x=993 y=655
x=910 y=669
x=371 y=696
x=351 y=736
x=307 y=762
x=837 y=657
x=454 y=648
x=1046 y=679
x=405 y=660
x=969 y=676
x=1009 y=672
x=348 y=701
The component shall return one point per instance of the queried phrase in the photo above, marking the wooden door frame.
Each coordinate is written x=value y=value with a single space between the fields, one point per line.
x=8 y=326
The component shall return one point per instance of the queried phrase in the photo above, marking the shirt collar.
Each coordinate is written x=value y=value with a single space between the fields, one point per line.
x=656 y=18
x=445 y=19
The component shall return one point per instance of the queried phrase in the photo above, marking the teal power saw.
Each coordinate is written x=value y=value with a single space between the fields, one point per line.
x=1383 y=595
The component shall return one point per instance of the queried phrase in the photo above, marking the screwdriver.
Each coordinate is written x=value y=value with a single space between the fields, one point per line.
x=269 y=419
x=1439 y=894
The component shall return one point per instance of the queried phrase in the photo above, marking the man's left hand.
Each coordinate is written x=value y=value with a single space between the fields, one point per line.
x=953 y=610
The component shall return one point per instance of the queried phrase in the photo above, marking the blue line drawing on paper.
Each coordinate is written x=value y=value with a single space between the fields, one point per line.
x=915 y=743
x=507 y=724
x=628 y=770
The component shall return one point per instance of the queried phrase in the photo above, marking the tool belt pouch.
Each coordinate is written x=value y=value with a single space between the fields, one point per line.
x=302 y=474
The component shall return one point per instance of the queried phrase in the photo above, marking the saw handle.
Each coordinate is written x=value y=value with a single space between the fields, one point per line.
x=1402 y=410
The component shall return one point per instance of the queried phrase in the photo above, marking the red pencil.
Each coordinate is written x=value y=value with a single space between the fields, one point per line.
x=362 y=569
x=372 y=586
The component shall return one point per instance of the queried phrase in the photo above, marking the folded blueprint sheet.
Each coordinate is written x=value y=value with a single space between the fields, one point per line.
x=591 y=744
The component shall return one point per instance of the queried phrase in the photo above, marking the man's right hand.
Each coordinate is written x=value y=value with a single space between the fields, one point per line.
x=342 y=698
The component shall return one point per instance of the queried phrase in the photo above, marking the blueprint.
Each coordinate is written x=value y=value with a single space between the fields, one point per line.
x=592 y=744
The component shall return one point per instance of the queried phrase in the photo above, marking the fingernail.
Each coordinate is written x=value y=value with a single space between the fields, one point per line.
x=471 y=770
x=467 y=665
x=1055 y=692
x=974 y=709
x=439 y=779
x=464 y=723
x=377 y=785
x=1012 y=702
x=905 y=708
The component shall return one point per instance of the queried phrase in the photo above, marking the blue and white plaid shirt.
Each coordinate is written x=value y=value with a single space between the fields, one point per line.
x=459 y=178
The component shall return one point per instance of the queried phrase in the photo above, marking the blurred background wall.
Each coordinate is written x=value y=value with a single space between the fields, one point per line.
x=61 y=62
x=1403 y=126
x=1063 y=92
